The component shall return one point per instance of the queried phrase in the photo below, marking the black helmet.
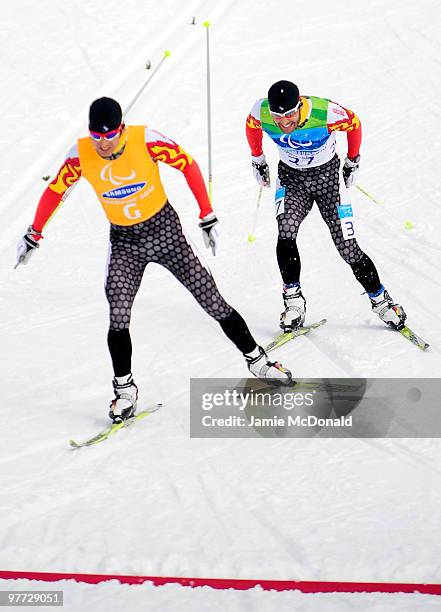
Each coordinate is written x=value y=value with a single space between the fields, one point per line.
x=283 y=96
x=105 y=114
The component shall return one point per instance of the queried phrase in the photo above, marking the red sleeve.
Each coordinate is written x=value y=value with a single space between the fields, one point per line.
x=68 y=174
x=354 y=142
x=254 y=135
x=167 y=151
x=195 y=181
x=47 y=205
x=161 y=148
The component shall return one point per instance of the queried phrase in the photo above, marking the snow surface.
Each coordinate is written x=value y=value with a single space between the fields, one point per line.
x=114 y=597
x=152 y=501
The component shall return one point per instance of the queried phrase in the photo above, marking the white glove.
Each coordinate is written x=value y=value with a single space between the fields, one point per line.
x=261 y=170
x=350 y=170
x=210 y=232
x=27 y=246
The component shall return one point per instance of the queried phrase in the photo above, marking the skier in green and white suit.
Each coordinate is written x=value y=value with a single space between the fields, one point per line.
x=303 y=128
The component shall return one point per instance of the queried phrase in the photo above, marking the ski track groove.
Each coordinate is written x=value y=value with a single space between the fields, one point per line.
x=289 y=545
x=210 y=501
x=408 y=456
x=326 y=349
x=371 y=221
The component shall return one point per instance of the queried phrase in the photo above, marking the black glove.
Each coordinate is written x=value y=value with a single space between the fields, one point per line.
x=350 y=170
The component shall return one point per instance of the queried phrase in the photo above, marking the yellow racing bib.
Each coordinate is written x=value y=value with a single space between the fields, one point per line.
x=129 y=187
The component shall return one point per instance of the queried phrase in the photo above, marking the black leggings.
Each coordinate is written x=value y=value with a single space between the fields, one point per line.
x=323 y=185
x=160 y=240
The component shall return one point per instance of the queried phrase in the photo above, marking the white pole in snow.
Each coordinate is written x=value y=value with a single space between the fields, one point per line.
x=210 y=175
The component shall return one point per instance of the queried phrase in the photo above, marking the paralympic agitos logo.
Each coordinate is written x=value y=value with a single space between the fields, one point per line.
x=303 y=140
x=123 y=190
x=295 y=144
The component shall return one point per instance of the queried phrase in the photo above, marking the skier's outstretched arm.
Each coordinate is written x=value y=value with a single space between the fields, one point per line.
x=67 y=175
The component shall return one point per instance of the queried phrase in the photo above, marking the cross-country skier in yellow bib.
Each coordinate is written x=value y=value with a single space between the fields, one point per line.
x=121 y=165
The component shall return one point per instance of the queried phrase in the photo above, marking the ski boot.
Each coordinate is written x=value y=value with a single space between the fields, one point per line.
x=126 y=395
x=260 y=366
x=293 y=316
x=383 y=305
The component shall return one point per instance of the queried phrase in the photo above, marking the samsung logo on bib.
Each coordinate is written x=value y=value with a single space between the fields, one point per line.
x=124 y=192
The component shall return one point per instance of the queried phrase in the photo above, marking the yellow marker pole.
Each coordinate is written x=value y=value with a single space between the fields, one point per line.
x=206 y=25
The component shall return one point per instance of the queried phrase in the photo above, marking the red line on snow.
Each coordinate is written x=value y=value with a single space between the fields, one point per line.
x=306 y=586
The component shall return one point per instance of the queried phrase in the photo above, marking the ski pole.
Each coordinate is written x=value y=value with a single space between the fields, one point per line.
x=252 y=237
x=408 y=225
x=367 y=194
x=164 y=57
x=210 y=176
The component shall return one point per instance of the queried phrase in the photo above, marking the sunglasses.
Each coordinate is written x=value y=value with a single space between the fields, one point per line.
x=97 y=136
x=289 y=113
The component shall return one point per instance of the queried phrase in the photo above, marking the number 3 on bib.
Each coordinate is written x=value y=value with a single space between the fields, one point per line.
x=346 y=217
